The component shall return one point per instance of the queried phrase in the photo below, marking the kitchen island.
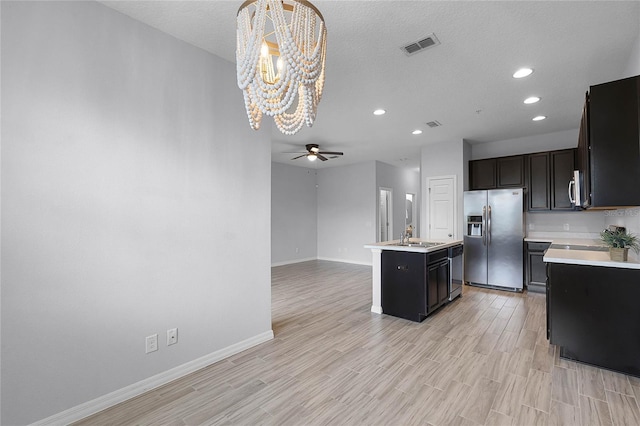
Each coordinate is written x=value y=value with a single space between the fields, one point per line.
x=592 y=307
x=409 y=267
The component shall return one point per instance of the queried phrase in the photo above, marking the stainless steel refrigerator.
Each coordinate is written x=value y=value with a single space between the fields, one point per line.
x=493 y=238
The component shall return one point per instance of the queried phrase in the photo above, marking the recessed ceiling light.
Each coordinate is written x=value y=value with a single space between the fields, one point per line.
x=532 y=100
x=416 y=132
x=522 y=72
x=379 y=112
x=539 y=117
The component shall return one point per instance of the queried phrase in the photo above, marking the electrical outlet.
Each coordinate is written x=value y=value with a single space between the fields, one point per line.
x=566 y=227
x=297 y=250
x=151 y=343
x=172 y=336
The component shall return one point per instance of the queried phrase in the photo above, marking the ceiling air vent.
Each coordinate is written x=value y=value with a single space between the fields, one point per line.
x=434 y=123
x=420 y=45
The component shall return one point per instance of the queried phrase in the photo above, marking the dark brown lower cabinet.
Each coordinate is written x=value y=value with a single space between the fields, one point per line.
x=593 y=315
x=536 y=274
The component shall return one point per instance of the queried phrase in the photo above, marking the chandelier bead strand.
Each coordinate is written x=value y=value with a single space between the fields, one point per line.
x=298 y=50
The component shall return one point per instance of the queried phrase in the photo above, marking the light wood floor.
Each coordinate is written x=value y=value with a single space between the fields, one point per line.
x=483 y=359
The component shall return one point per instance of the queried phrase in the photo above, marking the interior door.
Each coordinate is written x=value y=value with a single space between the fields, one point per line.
x=384 y=215
x=441 y=210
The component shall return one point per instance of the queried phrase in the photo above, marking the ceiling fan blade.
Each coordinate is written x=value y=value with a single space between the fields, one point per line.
x=330 y=153
x=299 y=156
x=321 y=157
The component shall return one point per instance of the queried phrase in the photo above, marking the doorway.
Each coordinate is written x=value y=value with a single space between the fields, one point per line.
x=385 y=215
x=410 y=215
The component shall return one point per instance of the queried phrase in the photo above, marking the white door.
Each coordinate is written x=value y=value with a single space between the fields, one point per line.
x=441 y=214
x=384 y=215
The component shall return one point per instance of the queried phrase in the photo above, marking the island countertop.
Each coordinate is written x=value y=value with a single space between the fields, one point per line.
x=395 y=245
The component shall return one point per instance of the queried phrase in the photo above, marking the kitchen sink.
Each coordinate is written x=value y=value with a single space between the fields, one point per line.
x=419 y=244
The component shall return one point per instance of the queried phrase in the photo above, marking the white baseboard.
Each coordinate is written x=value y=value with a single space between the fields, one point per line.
x=353 y=262
x=289 y=262
x=376 y=309
x=88 y=408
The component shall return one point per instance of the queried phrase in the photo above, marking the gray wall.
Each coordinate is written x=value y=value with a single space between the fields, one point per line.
x=400 y=181
x=127 y=202
x=347 y=212
x=443 y=159
x=294 y=214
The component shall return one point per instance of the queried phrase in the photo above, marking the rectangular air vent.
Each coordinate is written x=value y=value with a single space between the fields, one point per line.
x=434 y=123
x=418 y=46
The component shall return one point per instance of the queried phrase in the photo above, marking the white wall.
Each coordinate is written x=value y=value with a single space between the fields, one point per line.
x=442 y=159
x=526 y=145
x=294 y=214
x=347 y=212
x=127 y=202
x=400 y=181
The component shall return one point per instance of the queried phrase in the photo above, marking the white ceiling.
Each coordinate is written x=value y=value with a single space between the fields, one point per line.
x=465 y=82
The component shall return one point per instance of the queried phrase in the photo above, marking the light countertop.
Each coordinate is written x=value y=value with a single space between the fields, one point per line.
x=589 y=258
x=581 y=257
x=393 y=245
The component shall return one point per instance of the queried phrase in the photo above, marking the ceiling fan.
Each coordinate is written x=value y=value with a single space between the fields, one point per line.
x=313 y=152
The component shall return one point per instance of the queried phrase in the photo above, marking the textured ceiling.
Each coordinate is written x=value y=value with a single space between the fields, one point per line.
x=465 y=82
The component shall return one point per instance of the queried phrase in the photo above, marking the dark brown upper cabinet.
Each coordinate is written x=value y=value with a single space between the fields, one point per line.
x=482 y=174
x=614 y=143
x=549 y=177
x=492 y=173
x=510 y=172
x=539 y=197
x=563 y=163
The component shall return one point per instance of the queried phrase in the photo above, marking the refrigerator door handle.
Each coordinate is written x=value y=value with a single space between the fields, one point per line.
x=572 y=183
x=489 y=226
x=484 y=225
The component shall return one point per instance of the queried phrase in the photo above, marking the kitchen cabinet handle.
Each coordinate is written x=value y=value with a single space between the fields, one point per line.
x=403 y=267
x=489 y=226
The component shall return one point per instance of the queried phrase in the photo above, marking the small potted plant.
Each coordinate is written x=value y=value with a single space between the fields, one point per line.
x=619 y=243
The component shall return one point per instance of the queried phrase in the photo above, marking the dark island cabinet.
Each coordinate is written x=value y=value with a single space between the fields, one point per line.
x=495 y=173
x=413 y=285
x=438 y=284
x=593 y=315
x=536 y=273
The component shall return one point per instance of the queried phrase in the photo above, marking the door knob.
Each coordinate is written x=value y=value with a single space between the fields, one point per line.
x=450 y=235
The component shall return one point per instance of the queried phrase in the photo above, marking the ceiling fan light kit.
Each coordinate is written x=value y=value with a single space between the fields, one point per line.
x=279 y=61
x=313 y=153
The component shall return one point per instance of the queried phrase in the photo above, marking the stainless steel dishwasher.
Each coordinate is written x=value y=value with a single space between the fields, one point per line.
x=455 y=271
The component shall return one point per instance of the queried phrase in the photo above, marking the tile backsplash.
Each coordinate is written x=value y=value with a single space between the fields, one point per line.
x=582 y=224
x=629 y=218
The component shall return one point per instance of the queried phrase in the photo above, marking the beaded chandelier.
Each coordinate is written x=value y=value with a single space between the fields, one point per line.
x=279 y=61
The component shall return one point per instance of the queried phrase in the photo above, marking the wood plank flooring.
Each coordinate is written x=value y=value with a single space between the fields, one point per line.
x=482 y=360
